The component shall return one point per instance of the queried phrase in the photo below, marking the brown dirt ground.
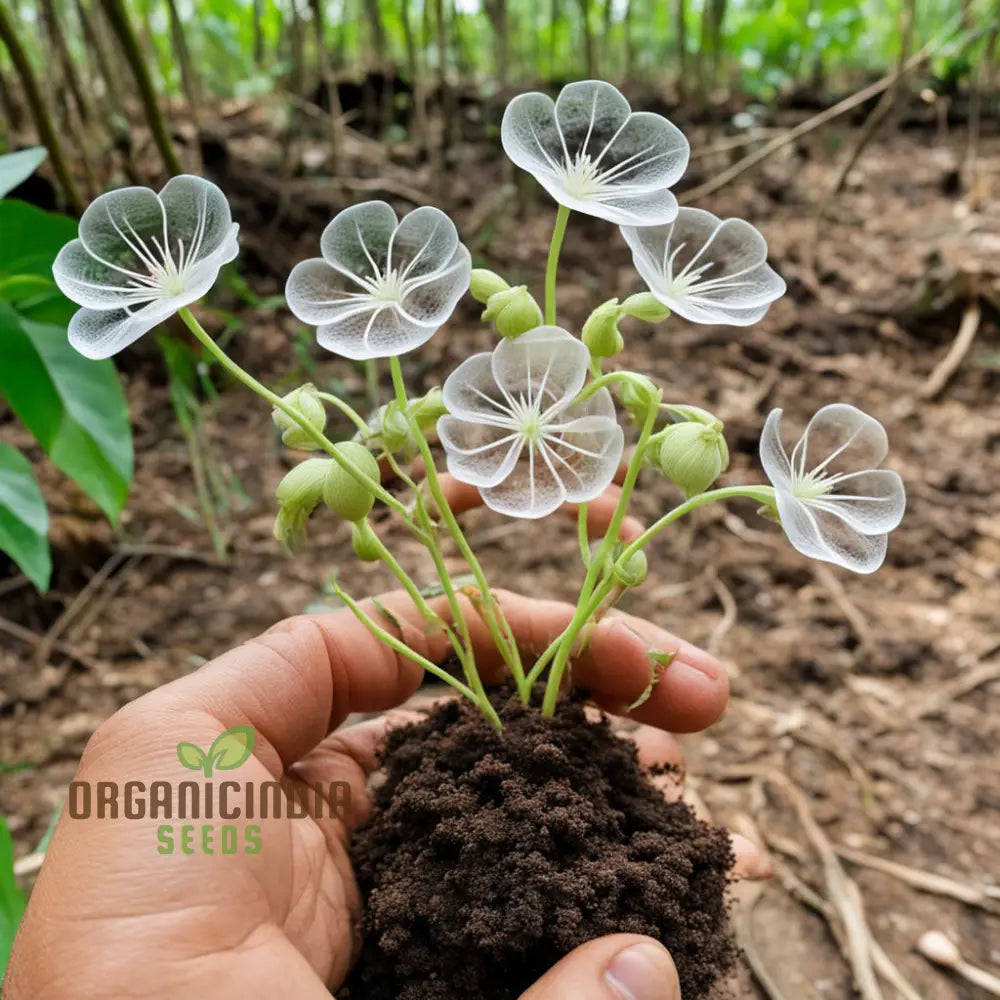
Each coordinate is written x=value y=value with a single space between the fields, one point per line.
x=877 y=696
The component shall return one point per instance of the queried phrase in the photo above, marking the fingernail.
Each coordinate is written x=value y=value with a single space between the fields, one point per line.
x=698 y=659
x=643 y=972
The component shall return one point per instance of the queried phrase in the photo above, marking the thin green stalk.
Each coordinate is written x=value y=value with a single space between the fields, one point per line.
x=492 y=613
x=317 y=435
x=347 y=410
x=552 y=267
x=581 y=532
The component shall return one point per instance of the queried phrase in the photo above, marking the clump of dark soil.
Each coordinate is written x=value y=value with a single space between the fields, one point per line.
x=489 y=857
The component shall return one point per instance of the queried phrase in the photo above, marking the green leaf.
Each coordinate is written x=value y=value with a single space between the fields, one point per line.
x=18 y=167
x=192 y=757
x=24 y=519
x=74 y=407
x=31 y=238
x=12 y=900
x=232 y=748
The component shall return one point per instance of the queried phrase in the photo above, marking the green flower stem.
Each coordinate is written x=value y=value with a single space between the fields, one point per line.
x=348 y=412
x=562 y=217
x=400 y=647
x=581 y=532
x=492 y=614
x=599 y=382
x=598 y=565
x=317 y=435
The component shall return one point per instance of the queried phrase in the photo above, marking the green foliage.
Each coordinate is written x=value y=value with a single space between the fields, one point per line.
x=12 y=900
x=74 y=407
x=16 y=168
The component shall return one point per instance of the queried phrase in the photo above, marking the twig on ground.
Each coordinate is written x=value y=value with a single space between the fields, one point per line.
x=941 y=950
x=35 y=641
x=951 y=362
x=987 y=898
x=728 y=619
x=976 y=677
x=829 y=582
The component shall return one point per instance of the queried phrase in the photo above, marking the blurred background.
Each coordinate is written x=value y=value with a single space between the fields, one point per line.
x=136 y=497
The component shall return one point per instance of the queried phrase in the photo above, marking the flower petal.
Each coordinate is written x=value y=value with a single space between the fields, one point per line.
x=425 y=241
x=320 y=294
x=648 y=152
x=772 y=453
x=871 y=502
x=356 y=242
x=819 y=535
x=589 y=114
x=85 y=280
x=530 y=136
x=842 y=439
x=199 y=222
x=479 y=454
x=625 y=208
x=586 y=454
x=383 y=330
x=118 y=228
x=99 y=334
x=533 y=489
x=471 y=392
x=432 y=299
x=545 y=367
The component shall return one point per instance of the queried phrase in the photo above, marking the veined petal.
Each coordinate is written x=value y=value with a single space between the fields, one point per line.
x=99 y=334
x=471 y=393
x=545 y=367
x=647 y=152
x=382 y=331
x=88 y=282
x=624 y=207
x=533 y=489
x=319 y=294
x=118 y=229
x=199 y=221
x=530 y=137
x=840 y=438
x=589 y=114
x=772 y=453
x=432 y=299
x=356 y=242
x=586 y=454
x=871 y=502
x=712 y=315
x=480 y=454
x=424 y=242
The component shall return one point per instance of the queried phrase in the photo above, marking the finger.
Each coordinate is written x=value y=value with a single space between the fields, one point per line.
x=619 y=967
x=462 y=497
x=661 y=755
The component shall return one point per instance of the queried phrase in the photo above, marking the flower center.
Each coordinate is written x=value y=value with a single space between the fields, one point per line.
x=581 y=177
x=388 y=287
x=813 y=485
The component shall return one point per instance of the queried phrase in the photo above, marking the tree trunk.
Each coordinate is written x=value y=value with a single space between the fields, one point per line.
x=189 y=78
x=683 y=63
x=8 y=105
x=98 y=55
x=122 y=27
x=39 y=112
x=589 y=42
x=258 y=33
x=58 y=40
x=328 y=83
x=496 y=10
x=629 y=70
x=415 y=70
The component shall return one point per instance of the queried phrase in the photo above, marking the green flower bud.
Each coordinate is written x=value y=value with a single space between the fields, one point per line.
x=298 y=493
x=483 y=284
x=645 y=306
x=693 y=455
x=513 y=311
x=638 y=395
x=601 y=333
x=633 y=572
x=342 y=493
x=390 y=429
x=305 y=400
x=365 y=542
x=427 y=410
x=685 y=412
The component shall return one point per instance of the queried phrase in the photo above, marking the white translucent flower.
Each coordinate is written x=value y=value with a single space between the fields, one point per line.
x=829 y=512
x=382 y=287
x=706 y=269
x=514 y=431
x=593 y=154
x=140 y=257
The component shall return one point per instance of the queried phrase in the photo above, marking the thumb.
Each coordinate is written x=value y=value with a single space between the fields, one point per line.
x=619 y=967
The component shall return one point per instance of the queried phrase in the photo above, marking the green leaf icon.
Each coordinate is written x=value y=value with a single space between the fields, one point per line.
x=191 y=756
x=232 y=748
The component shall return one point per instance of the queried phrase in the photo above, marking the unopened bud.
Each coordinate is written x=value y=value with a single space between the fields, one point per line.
x=693 y=456
x=390 y=429
x=298 y=493
x=638 y=394
x=428 y=409
x=483 y=284
x=634 y=571
x=645 y=306
x=342 y=493
x=306 y=402
x=600 y=333
x=513 y=311
x=365 y=542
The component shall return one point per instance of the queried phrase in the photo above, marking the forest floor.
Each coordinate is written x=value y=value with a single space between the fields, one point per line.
x=877 y=698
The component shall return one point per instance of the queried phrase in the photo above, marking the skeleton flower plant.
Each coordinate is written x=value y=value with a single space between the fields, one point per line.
x=533 y=424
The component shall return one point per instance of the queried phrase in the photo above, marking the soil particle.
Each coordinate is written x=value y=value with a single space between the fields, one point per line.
x=489 y=857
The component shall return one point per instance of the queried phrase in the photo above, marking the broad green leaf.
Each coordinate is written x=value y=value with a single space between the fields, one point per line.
x=74 y=407
x=190 y=756
x=31 y=238
x=18 y=167
x=232 y=748
x=12 y=900
x=24 y=518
